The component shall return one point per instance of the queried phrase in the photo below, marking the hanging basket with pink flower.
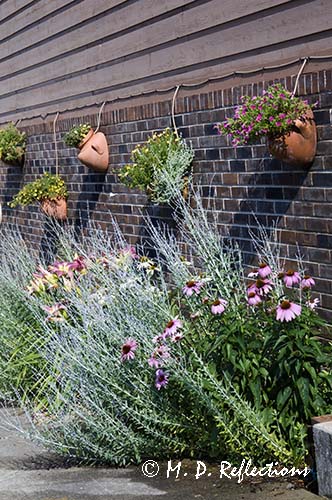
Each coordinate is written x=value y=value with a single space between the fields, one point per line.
x=287 y=122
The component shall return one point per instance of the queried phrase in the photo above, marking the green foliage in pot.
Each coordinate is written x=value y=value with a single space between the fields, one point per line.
x=159 y=166
x=272 y=114
x=47 y=187
x=12 y=144
x=76 y=134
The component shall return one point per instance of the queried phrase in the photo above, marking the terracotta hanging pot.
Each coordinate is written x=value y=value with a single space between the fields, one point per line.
x=298 y=147
x=94 y=151
x=55 y=208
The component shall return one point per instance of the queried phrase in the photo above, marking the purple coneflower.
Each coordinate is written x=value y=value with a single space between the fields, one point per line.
x=218 y=306
x=264 y=270
x=128 y=350
x=261 y=287
x=287 y=311
x=307 y=282
x=312 y=304
x=158 y=356
x=172 y=326
x=253 y=299
x=291 y=278
x=192 y=287
x=177 y=337
x=161 y=379
x=253 y=274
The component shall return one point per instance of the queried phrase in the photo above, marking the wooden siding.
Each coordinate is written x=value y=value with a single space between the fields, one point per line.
x=62 y=55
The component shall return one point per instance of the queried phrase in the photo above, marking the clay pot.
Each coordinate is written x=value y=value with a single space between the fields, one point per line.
x=55 y=208
x=94 y=151
x=298 y=147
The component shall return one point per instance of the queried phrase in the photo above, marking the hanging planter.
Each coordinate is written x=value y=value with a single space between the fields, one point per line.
x=50 y=191
x=92 y=145
x=161 y=167
x=12 y=145
x=286 y=121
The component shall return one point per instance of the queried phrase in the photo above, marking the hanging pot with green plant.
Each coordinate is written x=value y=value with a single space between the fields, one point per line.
x=92 y=145
x=50 y=191
x=12 y=144
x=160 y=167
x=287 y=122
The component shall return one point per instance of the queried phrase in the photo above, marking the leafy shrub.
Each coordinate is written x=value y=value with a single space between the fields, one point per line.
x=12 y=144
x=159 y=167
x=273 y=114
x=76 y=134
x=47 y=187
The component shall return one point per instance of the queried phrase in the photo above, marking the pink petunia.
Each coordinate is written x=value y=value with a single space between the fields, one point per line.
x=192 y=287
x=128 y=350
x=287 y=311
x=307 y=282
x=291 y=278
x=218 y=306
x=253 y=299
x=264 y=270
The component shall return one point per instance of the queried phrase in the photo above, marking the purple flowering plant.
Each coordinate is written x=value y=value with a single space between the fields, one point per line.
x=272 y=114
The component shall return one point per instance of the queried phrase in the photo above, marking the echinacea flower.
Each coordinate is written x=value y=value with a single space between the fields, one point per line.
x=192 y=287
x=253 y=274
x=218 y=306
x=312 y=304
x=172 y=326
x=128 y=350
x=253 y=298
x=177 y=337
x=161 y=379
x=158 y=356
x=264 y=270
x=307 y=282
x=261 y=287
x=287 y=311
x=291 y=278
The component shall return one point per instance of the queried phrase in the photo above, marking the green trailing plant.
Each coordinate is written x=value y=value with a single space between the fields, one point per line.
x=47 y=187
x=76 y=134
x=160 y=166
x=12 y=144
x=272 y=114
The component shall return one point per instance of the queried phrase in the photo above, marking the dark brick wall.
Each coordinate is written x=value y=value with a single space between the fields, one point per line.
x=242 y=185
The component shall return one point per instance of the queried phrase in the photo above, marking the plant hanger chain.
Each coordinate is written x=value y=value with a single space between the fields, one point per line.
x=56 y=145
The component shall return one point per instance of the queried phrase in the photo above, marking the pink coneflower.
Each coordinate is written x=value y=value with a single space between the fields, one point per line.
x=218 y=306
x=158 y=356
x=192 y=287
x=287 y=311
x=264 y=270
x=291 y=278
x=128 y=350
x=312 y=304
x=161 y=379
x=307 y=282
x=253 y=299
x=177 y=337
x=261 y=287
x=253 y=274
x=172 y=327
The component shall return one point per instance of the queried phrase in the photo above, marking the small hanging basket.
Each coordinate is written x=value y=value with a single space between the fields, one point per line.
x=298 y=147
x=55 y=208
x=94 y=151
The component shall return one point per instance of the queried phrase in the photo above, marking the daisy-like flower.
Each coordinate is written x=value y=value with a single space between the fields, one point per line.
x=261 y=287
x=161 y=379
x=177 y=337
x=312 y=304
x=172 y=327
x=218 y=306
x=192 y=287
x=287 y=311
x=307 y=282
x=291 y=278
x=128 y=350
x=253 y=298
x=158 y=356
x=264 y=270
